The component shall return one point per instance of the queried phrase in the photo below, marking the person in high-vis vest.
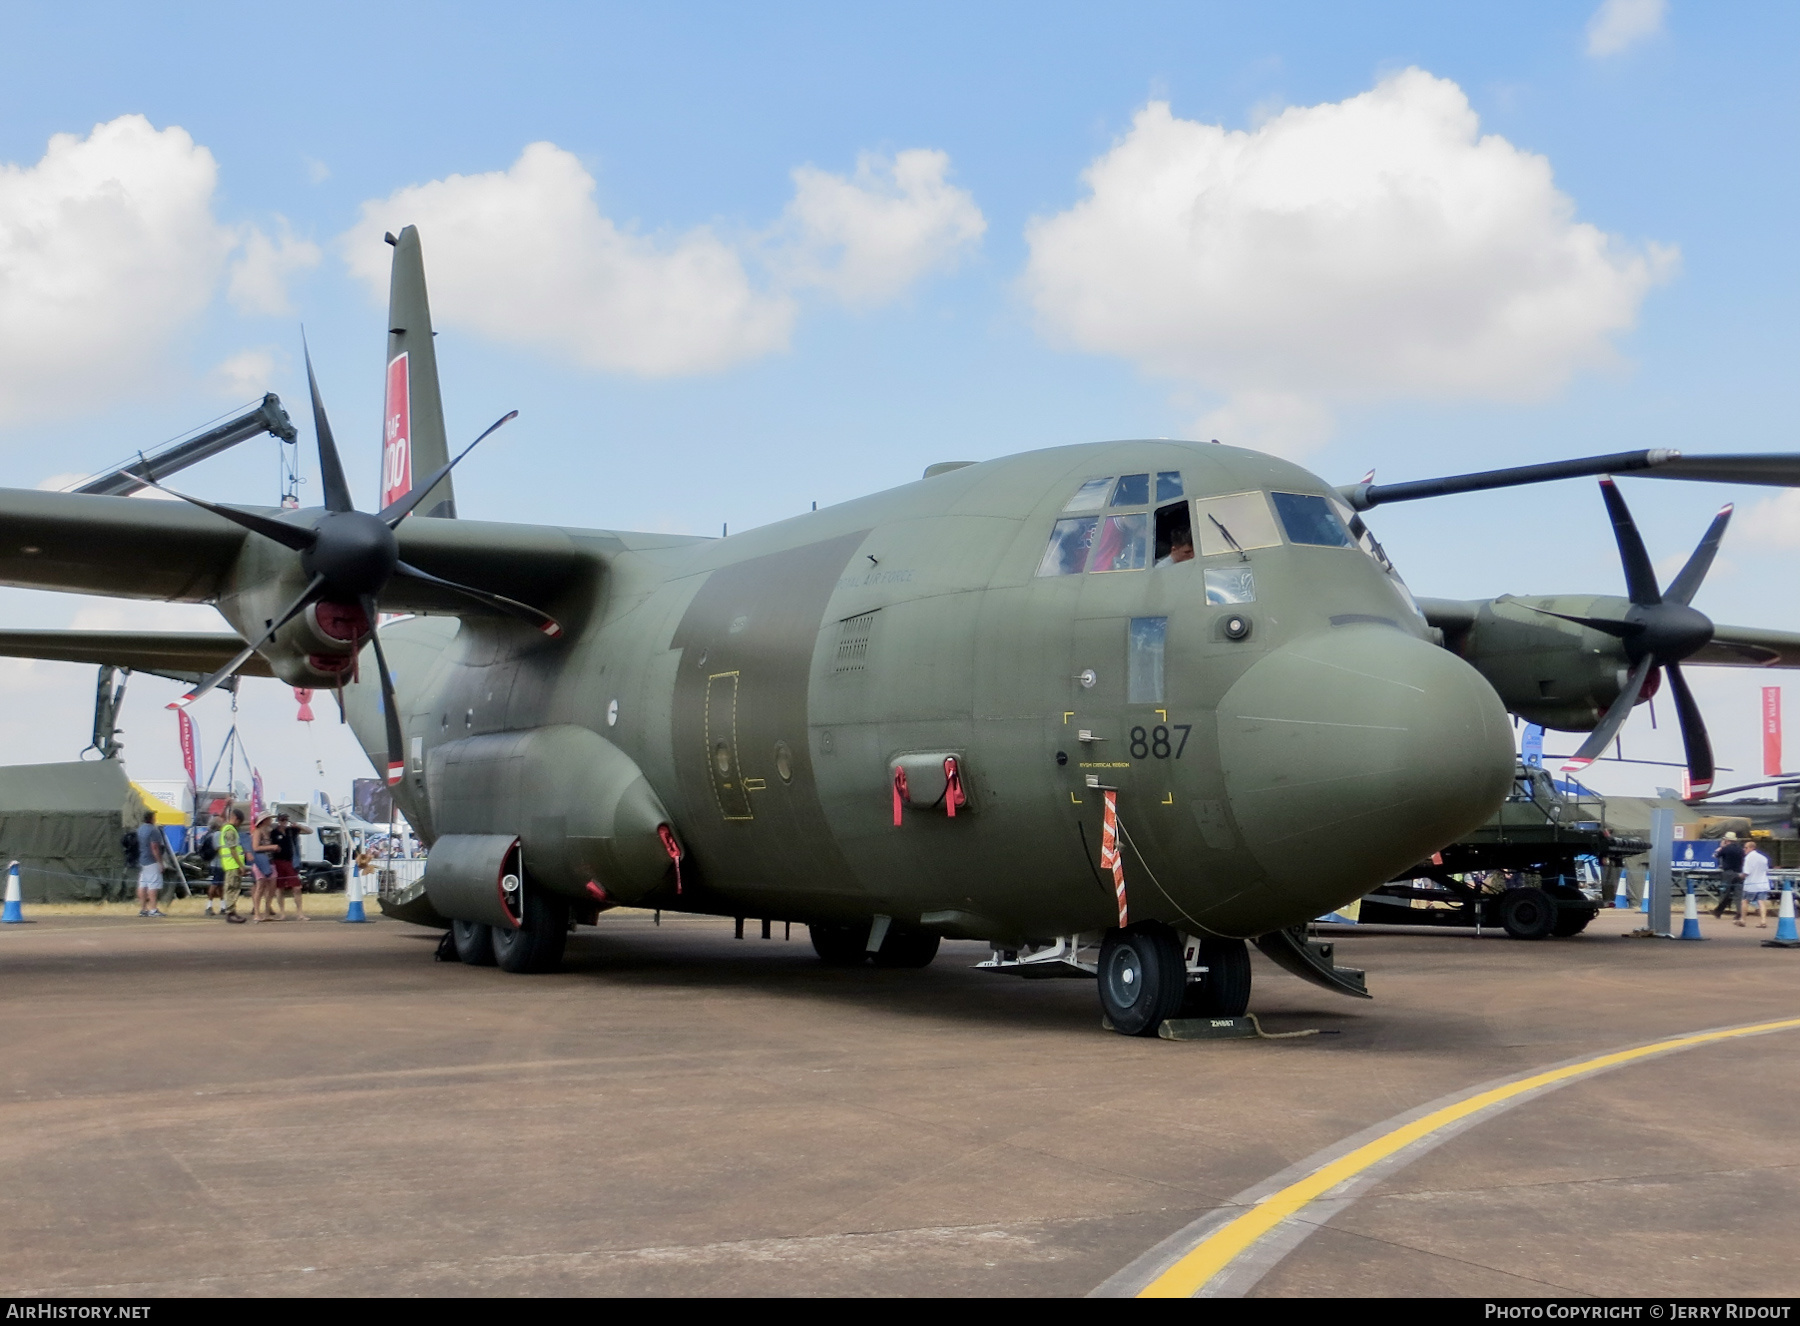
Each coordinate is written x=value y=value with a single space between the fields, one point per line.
x=233 y=859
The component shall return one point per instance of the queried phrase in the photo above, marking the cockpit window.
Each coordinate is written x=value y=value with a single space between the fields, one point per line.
x=1069 y=544
x=1168 y=485
x=1124 y=544
x=1234 y=523
x=1091 y=496
x=1133 y=490
x=1174 y=534
x=1308 y=518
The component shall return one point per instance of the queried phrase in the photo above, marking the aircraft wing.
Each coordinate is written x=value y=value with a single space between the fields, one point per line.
x=136 y=548
x=1748 y=647
x=183 y=655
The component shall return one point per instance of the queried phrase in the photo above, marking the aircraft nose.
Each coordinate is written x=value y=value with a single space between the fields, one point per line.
x=1353 y=753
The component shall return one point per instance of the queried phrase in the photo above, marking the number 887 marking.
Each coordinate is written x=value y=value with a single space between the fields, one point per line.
x=1154 y=743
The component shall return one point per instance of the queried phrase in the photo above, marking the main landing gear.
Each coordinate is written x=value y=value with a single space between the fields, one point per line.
x=536 y=946
x=1144 y=973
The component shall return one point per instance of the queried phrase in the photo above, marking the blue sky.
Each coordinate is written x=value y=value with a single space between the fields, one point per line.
x=1676 y=140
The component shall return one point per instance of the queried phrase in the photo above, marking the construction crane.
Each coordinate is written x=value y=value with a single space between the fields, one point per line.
x=136 y=475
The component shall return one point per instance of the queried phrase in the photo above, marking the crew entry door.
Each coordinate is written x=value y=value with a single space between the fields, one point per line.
x=722 y=747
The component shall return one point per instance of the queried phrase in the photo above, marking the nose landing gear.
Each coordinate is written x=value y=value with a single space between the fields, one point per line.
x=1144 y=977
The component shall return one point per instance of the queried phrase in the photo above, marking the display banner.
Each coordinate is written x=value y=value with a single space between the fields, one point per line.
x=1772 y=731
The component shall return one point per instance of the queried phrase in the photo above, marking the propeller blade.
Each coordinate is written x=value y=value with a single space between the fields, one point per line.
x=1608 y=625
x=543 y=621
x=297 y=537
x=331 y=469
x=1775 y=469
x=1693 y=734
x=1602 y=736
x=1688 y=582
x=299 y=605
x=390 y=707
x=1640 y=576
x=403 y=508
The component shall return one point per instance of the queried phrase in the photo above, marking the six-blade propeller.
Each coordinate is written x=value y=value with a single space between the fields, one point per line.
x=349 y=557
x=1657 y=632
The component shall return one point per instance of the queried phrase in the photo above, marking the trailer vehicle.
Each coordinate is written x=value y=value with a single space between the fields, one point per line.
x=1542 y=867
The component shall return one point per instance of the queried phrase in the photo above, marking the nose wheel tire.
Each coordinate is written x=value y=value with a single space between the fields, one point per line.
x=1142 y=977
x=1527 y=913
x=474 y=942
x=1224 y=991
x=536 y=946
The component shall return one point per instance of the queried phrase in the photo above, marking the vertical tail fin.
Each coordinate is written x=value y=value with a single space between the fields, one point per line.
x=413 y=442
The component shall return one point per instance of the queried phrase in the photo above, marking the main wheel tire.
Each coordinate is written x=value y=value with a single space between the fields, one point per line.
x=1142 y=977
x=840 y=945
x=537 y=945
x=1224 y=991
x=1571 y=921
x=907 y=948
x=1527 y=913
x=474 y=942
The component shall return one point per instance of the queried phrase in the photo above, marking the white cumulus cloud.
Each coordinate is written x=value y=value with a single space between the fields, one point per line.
x=246 y=374
x=108 y=246
x=262 y=269
x=1379 y=248
x=525 y=255
x=868 y=236
x=1773 y=522
x=1618 y=24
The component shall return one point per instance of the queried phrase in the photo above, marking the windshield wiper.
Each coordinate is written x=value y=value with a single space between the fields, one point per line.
x=1235 y=545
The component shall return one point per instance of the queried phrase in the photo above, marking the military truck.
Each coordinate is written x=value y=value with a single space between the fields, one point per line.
x=1542 y=867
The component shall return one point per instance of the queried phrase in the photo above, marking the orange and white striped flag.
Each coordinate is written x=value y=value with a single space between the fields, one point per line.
x=1109 y=853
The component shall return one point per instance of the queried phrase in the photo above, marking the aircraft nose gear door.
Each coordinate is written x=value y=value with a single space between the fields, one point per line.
x=722 y=749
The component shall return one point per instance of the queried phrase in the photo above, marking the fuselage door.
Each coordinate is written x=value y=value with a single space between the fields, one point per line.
x=722 y=747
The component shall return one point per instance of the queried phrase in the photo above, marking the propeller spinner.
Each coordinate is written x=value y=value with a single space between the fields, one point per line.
x=350 y=556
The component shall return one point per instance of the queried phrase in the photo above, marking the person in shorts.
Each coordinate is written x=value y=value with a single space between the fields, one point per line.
x=1756 y=886
x=150 y=865
x=262 y=892
x=285 y=855
x=1731 y=875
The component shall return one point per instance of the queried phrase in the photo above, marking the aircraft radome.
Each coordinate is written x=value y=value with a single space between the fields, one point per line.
x=1116 y=708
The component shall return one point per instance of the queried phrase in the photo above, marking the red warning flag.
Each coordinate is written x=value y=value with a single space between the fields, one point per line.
x=304 y=695
x=953 y=789
x=899 y=792
x=1109 y=853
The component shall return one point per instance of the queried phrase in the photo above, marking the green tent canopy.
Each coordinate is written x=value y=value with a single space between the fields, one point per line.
x=63 y=823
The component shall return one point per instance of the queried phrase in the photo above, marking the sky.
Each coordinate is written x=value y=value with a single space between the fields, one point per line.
x=731 y=260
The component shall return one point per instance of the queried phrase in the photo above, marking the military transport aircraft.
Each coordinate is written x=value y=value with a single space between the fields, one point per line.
x=1115 y=708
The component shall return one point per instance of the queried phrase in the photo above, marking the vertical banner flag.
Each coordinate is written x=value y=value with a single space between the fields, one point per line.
x=256 y=801
x=190 y=742
x=1772 y=731
x=396 y=445
x=1531 y=746
x=1109 y=852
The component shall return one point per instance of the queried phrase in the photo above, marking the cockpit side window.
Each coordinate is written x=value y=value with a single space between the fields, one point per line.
x=1067 y=553
x=1123 y=544
x=1309 y=519
x=1168 y=485
x=1091 y=496
x=1174 y=534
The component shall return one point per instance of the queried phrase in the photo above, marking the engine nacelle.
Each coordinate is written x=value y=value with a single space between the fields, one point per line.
x=580 y=806
x=1545 y=670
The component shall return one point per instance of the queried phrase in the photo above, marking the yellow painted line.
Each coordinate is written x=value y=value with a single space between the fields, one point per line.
x=1218 y=1250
